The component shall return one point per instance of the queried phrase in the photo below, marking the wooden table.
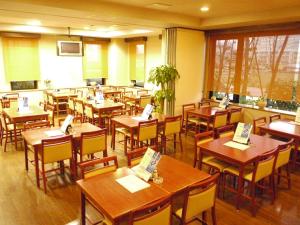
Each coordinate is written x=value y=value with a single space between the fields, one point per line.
x=59 y=97
x=34 y=138
x=258 y=146
x=116 y=202
x=286 y=129
x=130 y=123
x=206 y=113
x=15 y=116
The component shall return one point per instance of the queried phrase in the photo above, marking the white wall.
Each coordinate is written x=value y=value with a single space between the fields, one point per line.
x=190 y=62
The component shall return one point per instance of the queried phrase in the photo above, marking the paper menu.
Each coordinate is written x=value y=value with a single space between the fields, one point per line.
x=53 y=133
x=297 y=118
x=224 y=103
x=23 y=104
x=66 y=123
x=147 y=165
x=242 y=133
x=132 y=183
x=236 y=145
x=147 y=111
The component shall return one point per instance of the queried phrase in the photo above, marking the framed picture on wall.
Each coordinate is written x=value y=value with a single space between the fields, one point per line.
x=69 y=48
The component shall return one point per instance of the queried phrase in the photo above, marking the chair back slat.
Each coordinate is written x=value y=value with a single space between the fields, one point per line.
x=173 y=125
x=92 y=142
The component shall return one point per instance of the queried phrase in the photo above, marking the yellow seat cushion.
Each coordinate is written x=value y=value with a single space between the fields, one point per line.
x=194 y=120
x=220 y=165
x=206 y=158
x=123 y=130
x=248 y=171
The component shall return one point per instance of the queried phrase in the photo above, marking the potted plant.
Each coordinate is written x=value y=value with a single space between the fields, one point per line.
x=261 y=102
x=161 y=76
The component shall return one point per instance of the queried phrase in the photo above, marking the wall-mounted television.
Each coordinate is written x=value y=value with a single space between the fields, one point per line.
x=69 y=48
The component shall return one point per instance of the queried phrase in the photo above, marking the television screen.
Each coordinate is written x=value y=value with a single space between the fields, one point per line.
x=69 y=48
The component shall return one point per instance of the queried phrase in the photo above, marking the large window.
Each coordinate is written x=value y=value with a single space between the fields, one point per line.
x=256 y=65
x=137 y=55
x=95 y=63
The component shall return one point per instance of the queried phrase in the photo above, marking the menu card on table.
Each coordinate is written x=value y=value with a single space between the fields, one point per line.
x=146 y=113
x=147 y=165
x=67 y=122
x=23 y=104
x=132 y=183
x=224 y=103
x=242 y=133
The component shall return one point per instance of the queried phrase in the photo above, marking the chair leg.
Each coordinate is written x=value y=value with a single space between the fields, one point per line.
x=204 y=217
x=44 y=178
x=180 y=141
x=252 y=195
x=175 y=142
x=278 y=175
x=213 y=215
x=288 y=175
x=195 y=157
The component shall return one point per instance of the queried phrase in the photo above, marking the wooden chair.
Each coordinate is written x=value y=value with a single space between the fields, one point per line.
x=192 y=121
x=147 y=131
x=144 y=100
x=71 y=106
x=234 y=116
x=95 y=167
x=202 y=138
x=203 y=103
x=55 y=150
x=284 y=152
x=7 y=131
x=225 y=131
x=275 y=117
x=261 y=121
x=57 y=104
x=50 y=111
x=220 y=120
x=198 y=198
x=92 y=117
x=263 y=168
x=79 y=109
x=93 y=142
x=172 y=126
x=36 y=124
x=157 y=213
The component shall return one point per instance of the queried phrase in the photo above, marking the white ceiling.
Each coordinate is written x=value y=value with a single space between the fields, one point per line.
x=119 y=18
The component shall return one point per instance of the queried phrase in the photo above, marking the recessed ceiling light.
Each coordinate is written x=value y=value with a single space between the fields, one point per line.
x=159 y=5
x=204 y=8
x=34 y=23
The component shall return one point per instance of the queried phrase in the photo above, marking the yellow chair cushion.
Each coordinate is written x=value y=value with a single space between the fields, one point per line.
x=227 y=134
x=101 y=170
x=220 y=165
x=194 y=120
x=161 y=218
x=172 y=127
x=93 y=144
x=283 y=158
x=59 y=152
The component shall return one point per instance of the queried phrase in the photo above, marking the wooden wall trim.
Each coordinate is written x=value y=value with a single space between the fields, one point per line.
x=133 y=39
x=19 y=35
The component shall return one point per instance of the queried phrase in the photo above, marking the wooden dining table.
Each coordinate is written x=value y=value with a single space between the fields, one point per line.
x=131 y=123
x=241 y=158
x=16 y=116
x=286 y=129
x=116 y=202
x=34 y=138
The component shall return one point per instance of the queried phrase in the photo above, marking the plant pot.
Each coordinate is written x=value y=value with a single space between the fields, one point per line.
x=261 y=104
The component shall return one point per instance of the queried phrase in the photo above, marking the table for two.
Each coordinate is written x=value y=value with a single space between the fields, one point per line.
x=116 y=202
x=241 y=158
x=34 y=138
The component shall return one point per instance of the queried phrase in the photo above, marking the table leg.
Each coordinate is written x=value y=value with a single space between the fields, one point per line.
x=295 y=154
x=186 y=122
x=200 y=159
x=26 y=155
x=82 y=208
x=113 y=135
x=36 y=162
x=240 y=187
x=131 y=139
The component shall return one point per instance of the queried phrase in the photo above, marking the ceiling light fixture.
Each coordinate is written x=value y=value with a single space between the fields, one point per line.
x=204 y=8
x=34 y=23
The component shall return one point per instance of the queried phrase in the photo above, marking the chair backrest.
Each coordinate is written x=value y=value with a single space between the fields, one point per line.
x=36 y=124
x=79 y=107
x=45 y=97
x=284 y=152
x=172 y=125
x=147 y=130
x=204 y=137
x=261 y=121
x=204 y=103
x=186 y=108
x=93 y=141
x=220 y=118
x=199 y=197
x=50 y=111
x=135 y=156
x=158 y=213
x=88 y=110
x=225 y=131
x=144 y=100
x=142 y=92
x=264 y=166
x=92 y=167
x=3 y=120
x=71 y=103
x=57 y=149
x=50 y=99
x=235 y=115
x=275 y=117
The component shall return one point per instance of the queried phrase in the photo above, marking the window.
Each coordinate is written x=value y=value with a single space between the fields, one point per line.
x=95 y=61
x=23 y=85
x=137 y=61
x=21 y=58
x=257 y=64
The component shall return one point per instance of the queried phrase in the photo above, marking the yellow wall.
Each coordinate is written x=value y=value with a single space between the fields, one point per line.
x=190 y=58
